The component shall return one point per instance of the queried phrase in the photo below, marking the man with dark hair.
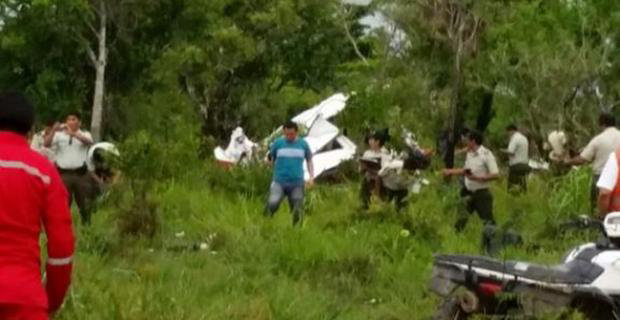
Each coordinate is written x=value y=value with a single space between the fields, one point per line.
x=287 y=156
x=370 y=164
x=32 y=199
x=518 y=159
x=597 y=152
x=479 y=170
x=71 y=145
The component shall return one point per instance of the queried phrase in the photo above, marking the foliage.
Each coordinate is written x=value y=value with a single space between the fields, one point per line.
x=182 y=73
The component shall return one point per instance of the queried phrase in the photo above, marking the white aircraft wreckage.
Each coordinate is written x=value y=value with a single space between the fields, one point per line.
x=240 y=149
x=329 y=146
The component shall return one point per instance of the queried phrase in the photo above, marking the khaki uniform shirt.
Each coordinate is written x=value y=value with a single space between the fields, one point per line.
x=71 y=153
x=518 y=147
x=480 y=162
x=600 y=147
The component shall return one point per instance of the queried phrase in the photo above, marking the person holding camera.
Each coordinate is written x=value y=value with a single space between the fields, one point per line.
x=479 y=170
x=71 y=144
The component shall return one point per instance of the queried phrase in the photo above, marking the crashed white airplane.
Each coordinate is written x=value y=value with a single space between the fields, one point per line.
x=328 y=145
x=239 y=150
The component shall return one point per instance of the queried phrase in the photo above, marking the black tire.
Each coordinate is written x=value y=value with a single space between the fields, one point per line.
x=450 y=309
x=594 y=309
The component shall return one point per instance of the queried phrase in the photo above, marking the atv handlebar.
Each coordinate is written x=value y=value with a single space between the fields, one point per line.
x=584 y=222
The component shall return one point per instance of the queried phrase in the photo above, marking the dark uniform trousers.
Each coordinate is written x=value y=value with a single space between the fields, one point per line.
x=517 y=177
x=81 y=187
x=372 y=185
x=480 y=201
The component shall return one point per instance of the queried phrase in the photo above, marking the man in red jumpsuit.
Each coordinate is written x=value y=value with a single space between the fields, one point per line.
x=32 y=197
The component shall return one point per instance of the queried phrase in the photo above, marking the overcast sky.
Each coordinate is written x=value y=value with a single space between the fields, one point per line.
x=357 y=1
x=375 y=20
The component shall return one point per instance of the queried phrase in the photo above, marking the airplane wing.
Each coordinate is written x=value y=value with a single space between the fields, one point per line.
x=327 y=160
x=326 y=109
x=320 y=134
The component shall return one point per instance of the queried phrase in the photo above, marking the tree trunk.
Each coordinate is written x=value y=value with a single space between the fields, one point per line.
x=99 y=62
x=455 y=106
x=486 y=113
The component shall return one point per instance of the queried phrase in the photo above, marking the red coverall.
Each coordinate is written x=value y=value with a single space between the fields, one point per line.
x=32 y=196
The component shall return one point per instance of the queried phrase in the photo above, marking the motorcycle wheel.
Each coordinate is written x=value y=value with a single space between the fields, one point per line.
x=450 y=309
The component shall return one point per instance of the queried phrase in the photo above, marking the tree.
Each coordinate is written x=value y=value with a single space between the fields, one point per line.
x=242 y=54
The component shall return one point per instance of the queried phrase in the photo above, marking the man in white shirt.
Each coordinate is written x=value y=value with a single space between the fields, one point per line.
x=518 y=159
x=598 y=150
x=479 y=171
x=71 y=145
x=38 y=142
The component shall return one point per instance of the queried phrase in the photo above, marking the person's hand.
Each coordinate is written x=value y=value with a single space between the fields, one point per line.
x=446 y=172
x=57 y=126
x=472 y=177
x=310 y=183
x=566 y=160
x=428 y=152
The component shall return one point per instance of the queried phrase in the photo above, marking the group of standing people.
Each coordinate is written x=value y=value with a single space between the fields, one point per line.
x=602 y=152
x=480 y=169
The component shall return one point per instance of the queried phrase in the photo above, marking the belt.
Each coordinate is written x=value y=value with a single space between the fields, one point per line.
x=81 y=170
x=470 y=192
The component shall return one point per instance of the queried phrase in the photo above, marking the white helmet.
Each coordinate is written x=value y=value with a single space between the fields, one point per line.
x=612 y=224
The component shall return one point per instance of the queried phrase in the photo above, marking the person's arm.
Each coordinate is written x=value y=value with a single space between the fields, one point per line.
x=49 y=137
x=576 y=161
x=271 y=159
x=586 y=156
x=606 y=184
x=60 y=242
x=448 y=172
x=85 y=137
x=309 y=164
x=484 y=177
x=512 y=147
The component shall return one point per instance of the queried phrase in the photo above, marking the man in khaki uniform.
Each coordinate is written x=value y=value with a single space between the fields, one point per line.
x=518 y=159
x=479 y=170
x=597 y=152
x=71 y=144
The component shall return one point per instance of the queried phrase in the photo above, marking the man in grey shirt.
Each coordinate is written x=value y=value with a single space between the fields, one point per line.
x=518 y=159
x=597 y=152
x=479 y=170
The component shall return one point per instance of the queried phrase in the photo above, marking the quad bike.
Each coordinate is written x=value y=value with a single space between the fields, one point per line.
x=587 y=280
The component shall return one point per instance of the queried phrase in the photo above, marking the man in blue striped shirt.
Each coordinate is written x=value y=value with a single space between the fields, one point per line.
x=287 y=156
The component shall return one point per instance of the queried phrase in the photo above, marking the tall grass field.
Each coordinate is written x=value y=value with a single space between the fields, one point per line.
x=215 y=256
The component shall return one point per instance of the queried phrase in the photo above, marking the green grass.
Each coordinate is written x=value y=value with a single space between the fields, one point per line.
x=343 y=264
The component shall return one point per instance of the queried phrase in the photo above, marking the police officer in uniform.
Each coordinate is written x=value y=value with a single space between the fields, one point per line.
x=479 y=170
x=71 y=144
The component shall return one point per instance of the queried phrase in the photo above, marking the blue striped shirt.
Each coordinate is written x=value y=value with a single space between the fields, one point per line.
x=288 y=157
